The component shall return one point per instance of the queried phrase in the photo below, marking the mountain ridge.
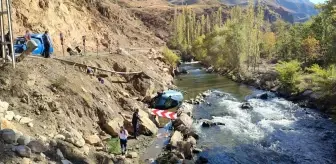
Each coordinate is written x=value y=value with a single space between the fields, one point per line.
x=300 y=10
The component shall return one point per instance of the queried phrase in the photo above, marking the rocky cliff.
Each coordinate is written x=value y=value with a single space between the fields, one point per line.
x=101 y=19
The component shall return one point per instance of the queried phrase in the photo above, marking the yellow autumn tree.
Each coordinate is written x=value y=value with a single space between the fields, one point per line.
x=269 y=41
x=310 y=48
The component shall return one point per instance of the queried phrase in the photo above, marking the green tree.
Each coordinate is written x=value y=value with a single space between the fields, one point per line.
x=289 y=74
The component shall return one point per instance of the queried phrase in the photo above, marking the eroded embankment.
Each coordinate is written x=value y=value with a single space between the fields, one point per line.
x=69 y=114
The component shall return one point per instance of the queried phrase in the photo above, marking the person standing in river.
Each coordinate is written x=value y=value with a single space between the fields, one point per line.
x=136 y=122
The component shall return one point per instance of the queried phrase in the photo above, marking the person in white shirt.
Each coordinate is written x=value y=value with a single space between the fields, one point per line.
x=123 y=139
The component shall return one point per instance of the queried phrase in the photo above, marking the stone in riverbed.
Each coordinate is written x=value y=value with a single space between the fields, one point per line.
x=192 y=140
x=263 y=96
x=176 y=137
x=246 y=106
x=183 y=119
x=209 y=123
x=197 y=150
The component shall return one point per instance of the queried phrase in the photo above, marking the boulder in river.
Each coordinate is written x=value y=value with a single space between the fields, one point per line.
x=183 y=119
x=176 y=137
x=210 y=70
x=246 y=106
x=263 y=96
x=209 y=123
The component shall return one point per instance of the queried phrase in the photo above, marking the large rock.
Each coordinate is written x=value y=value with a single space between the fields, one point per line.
x=113 y=126
x=23 y=140
x=209 y=123
x=186 y=148
x=92 y=139
x=3 y=106
x=23 y=151
x=183 y=119
x=146 y=87
x=176 y=137
x=9 y=115
x=192 y=140
x=147 y=126
x=263 y=96
x=246 y=106
x=73 y=136
x=37 y=147
x=186 y=108
x=25 y=120
x=8 y=135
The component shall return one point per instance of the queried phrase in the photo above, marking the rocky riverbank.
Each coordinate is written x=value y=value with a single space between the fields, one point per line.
x=267 y=79
x=183 y=142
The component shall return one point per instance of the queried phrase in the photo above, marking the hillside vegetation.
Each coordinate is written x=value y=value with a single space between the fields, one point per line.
x=245 y=46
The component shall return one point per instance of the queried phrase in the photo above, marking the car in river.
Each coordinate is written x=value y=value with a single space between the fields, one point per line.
x=167 y=100
x=20 y=45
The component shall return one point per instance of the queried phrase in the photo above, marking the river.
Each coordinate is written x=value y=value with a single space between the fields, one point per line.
x=274 y=131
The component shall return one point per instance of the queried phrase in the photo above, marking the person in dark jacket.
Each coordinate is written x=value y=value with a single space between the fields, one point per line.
x=136 y=122
x=7 y=39
x=47 y=44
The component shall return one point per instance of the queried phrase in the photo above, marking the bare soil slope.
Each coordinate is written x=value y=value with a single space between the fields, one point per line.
x=58 y=96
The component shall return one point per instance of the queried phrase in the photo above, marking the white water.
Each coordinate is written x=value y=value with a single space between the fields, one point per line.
x=275 y=131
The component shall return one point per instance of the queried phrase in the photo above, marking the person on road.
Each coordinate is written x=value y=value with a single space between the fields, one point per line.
x=135 y=123
x=47 y=44
x=123 y=140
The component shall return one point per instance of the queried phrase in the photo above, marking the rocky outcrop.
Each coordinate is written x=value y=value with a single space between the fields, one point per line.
x=73 y=136
x=175 y=138
x=113 y=126
x=147 y=126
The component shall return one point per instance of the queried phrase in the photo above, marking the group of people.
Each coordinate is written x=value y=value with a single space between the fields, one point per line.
x=123 y=134
x=46 y=43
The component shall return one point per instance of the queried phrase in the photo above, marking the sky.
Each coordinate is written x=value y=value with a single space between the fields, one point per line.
x=317 y=1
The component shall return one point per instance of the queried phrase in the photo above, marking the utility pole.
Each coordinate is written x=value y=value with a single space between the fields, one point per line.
x=8 y=10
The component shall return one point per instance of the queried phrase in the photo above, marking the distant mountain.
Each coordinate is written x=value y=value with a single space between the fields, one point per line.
x=290 y=10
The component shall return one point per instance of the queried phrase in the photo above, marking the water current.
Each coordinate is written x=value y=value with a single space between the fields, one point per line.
x=274 y=131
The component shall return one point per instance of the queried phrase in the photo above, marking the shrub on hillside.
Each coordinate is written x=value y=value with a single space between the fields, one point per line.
x=170 y=56
x=289 y=74
x=114 y=146
x=323 y=80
